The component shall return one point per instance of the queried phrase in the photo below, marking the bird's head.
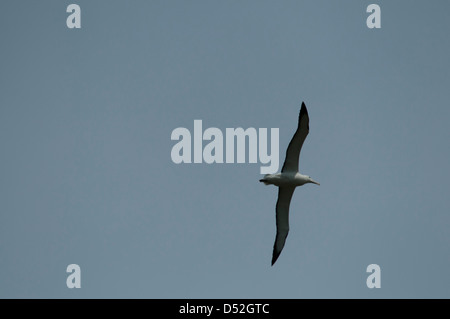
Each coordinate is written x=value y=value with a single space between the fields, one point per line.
x=310 y=180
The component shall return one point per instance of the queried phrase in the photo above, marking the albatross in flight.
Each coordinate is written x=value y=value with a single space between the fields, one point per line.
x=287 y=181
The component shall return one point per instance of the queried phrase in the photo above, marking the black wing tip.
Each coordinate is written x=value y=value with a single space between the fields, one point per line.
x=303 y=110
x=275 y=255
x=274 y=258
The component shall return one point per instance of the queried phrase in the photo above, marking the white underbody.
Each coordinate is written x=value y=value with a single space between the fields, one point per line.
x=286 y=179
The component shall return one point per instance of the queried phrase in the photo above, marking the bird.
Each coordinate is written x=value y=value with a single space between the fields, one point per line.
x=288 y=180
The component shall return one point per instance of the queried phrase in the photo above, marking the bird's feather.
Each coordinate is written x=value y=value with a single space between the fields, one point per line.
x=282 y=218
x=293 y=150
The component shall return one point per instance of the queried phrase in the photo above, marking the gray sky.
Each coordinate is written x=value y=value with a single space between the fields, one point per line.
x=86 y=175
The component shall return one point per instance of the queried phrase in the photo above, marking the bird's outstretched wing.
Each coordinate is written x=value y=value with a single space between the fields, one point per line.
x=282 y=217
x=293 y=150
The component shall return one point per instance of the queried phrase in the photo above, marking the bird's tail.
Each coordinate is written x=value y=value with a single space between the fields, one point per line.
x=264 y=180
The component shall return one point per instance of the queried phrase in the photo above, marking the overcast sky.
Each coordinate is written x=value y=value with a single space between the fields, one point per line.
x=86 y=175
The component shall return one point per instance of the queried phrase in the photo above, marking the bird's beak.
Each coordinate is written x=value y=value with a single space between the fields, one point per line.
x=314 y=182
